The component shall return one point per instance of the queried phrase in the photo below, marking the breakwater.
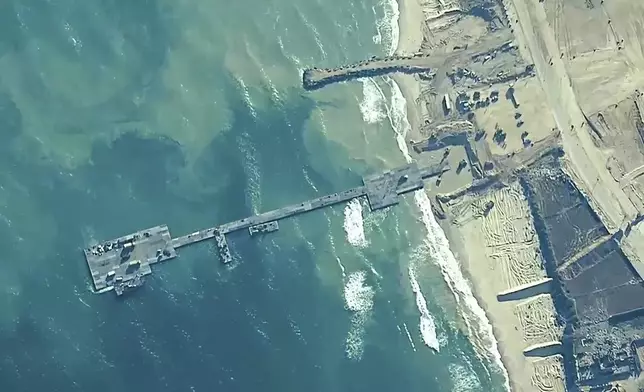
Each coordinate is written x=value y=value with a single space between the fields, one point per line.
x=315 y=78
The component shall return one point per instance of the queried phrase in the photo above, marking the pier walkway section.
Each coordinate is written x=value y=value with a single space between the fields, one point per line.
x=295 y=209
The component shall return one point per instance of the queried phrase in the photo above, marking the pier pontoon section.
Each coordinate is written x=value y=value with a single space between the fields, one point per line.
x=263 y=228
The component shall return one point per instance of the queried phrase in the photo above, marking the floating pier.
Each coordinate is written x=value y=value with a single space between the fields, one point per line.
x=122 y=264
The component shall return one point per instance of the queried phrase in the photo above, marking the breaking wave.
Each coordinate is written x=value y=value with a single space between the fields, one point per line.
x=252 y=171
x=354 y=225
x=294 y=59
x=388 y=33
x=373 y=105
x=427 y=326
x=358 y=299
x=464 y=379
x=246 y=95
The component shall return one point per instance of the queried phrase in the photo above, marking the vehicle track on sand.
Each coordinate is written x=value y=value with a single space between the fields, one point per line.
x=510 y=237
x=547 y=375
x=537 y=319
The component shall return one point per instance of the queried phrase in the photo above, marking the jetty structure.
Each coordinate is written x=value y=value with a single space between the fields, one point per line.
x=315 y=78
x=121 y=264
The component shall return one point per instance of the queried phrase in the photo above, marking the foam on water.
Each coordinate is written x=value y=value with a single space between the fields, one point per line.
x=333 y=250
x=246 y=95
x=296 y=60
x=377 y=38
x=342 y=269
x=464 y=378
x=373 y=104
x=371 y=267
x=296 y=329
x=308 y=179
x=298 y=230
x=322 y=123
x=374 y=219
x=387 y=27
x=478 y=325
x=277 y=99
x=358 y=299
x=377 y=108
x=73 y=38
x=397 y=114
x=252 y=171
x=314 y=31
x=354 y=225
x=411 y=341
x=427 y=325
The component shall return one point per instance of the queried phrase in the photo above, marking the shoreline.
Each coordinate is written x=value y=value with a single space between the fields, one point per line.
x=410 y=39
x=459 y=249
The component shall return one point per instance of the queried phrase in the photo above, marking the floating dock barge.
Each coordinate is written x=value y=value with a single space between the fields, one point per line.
x=122 y=264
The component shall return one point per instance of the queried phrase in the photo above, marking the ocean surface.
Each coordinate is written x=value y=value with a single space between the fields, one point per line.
x=120 y=115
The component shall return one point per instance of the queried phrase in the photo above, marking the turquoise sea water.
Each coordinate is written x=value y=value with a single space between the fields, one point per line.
x=120 y=115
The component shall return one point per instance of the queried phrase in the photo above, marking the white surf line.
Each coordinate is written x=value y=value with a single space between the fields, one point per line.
x=392 y=13
x=359 y=300
x=342 y=269
x=246 y=95
x=308 y=179
x=443 y=256
x=373 y=102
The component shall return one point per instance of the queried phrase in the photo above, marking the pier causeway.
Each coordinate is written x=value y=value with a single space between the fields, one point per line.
x=121 y=264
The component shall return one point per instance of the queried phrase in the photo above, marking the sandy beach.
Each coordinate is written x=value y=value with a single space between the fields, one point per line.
x=410 y=39
x=498 y=252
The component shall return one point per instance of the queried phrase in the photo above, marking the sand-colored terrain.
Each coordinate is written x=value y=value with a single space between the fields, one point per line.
x=547 y=374
x=584 y=163
x=535 y=316
x=601 y=47
x=499 y=249
x=574 y=68
x=633 y=248
x=528 y=123
x=617 y=133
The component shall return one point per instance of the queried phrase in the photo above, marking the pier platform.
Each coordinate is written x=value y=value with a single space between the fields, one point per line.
x=121 y=264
